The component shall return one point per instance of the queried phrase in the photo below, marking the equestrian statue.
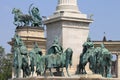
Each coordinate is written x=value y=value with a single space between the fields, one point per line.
x=99 y=58
x=20 y=60
x=56 y=58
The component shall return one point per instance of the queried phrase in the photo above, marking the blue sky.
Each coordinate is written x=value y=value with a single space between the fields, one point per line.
x=106 y=17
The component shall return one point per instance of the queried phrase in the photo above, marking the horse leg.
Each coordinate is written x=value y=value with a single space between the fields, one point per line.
x=38 y=72
x=41 y=73
x=45 y=72
x=67 y=70
x=102 y=70
x=17 y=73
x=58 y=69
x=83 y=69
x=51 y=73
x=109 y=72
x=80 y=69
x=24 y=73
x=32 y=73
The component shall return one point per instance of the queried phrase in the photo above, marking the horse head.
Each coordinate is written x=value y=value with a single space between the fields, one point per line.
x=16 y=11
x=38 y=51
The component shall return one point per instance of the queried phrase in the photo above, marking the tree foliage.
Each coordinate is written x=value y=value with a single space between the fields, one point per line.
x=5 y=65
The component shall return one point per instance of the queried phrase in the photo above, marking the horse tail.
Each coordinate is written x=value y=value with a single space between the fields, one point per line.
x=69 y=55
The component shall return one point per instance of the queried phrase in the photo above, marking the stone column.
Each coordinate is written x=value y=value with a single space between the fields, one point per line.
x=67 y=6
x=66 y=2
x=118 y=64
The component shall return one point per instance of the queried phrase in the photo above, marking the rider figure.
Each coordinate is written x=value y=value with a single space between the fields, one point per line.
x=17 y=40
x=37 y=20
x=88 y=44
x=56 y=48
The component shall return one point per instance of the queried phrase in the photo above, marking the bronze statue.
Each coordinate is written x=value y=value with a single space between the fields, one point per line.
x=55 y=48
x=20 y=57
x=88 y=46
x=56 y=58
x=35 y=56
x=99 y=59
x=36 y=19
x=17 y=56
x=59 y=61
x=32 y=18
x=104 y=62
x=21 y=19
x=40 y=65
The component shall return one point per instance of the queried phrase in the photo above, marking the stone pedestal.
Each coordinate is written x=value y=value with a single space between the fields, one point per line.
x=76 y=77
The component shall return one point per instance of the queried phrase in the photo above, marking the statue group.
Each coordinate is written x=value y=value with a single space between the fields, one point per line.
x=99 y=58
x=32 y=18
x=34 y=61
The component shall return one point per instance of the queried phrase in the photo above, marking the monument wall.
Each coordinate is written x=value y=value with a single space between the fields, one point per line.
x=74 y=35
x=54 y=30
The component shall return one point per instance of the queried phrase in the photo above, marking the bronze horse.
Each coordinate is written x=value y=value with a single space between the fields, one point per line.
x=99 y=61
x=58 y=61
x=21 y=19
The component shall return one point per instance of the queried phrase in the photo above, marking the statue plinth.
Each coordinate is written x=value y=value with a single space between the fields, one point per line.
x=77 y=77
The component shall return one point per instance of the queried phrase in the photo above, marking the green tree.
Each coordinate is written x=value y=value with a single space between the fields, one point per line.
x=5 y=65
